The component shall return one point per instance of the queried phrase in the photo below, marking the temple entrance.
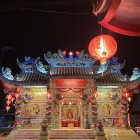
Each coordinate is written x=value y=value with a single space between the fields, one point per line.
x=71 y=113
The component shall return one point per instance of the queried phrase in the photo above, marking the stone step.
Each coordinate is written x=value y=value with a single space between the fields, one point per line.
x=24 y=134
x=72 y=134
x=34 y=134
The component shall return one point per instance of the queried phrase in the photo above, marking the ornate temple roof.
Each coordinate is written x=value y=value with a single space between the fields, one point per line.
x=26 y=79
x=81 y=66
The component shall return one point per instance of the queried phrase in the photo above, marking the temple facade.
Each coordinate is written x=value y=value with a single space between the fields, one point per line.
x=69 y=92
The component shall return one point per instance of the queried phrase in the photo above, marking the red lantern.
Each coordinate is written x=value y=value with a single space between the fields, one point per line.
x=129 y=99
x=8 y=102
x=94 y=95
x=19 y=89
x=7 y=108
x=9 y=96
x=111 y=96
x=77 y=52
x=126 y=94
x=64 y=52
x=48 y=95
x=16 y=95
x=12 y=99
x=102 y=48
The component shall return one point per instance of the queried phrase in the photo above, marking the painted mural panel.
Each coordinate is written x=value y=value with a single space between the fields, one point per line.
x=34 y=111
x=109 y=109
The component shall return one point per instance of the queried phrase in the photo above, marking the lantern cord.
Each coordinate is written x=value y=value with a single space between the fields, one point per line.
x=48 y=11
x=101 y=30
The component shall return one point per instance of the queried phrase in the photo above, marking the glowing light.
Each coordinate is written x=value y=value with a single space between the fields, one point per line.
x=129 y=99
x=102 y=48
x=94 y=95
x=77 y=52
x=16 y=95
x=48 y=95
x=126 y=94
x=7 y=108
x=8 y=102
x=64 y=52
x=9 y=97
x=12 y=99
x=70 y=53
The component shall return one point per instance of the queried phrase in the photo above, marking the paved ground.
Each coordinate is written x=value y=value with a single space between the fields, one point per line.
x=115 y=134
x=2 y=138
x=121 y=134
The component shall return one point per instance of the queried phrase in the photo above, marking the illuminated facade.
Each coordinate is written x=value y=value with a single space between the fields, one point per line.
x=70 y=92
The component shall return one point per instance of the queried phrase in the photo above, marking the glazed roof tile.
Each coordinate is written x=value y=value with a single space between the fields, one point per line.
x=27 y=79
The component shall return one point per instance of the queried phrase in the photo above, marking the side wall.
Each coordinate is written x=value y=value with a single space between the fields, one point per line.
x=32 y=108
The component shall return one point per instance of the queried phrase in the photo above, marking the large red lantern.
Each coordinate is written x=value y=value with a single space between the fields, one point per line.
x=102 y=48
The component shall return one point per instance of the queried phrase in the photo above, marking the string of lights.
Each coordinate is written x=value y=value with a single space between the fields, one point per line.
x=48 y=11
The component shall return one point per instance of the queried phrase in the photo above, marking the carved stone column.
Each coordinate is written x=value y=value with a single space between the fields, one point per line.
x=49 y=114
x=18 y=107
x=124 y=107
x=85 y=114
x=46 y=123
x=94 y=112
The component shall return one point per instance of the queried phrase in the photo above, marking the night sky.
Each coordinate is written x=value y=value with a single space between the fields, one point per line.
x=55 y=25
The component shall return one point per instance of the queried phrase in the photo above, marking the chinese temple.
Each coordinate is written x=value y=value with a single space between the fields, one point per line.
x=69 y=96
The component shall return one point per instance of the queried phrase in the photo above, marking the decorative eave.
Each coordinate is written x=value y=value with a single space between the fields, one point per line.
x=132 y=85
x=32 y=82
x=67 y=72
x=52 y=75
x=118 y=80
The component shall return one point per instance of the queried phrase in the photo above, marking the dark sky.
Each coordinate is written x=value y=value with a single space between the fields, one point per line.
x=33 y=32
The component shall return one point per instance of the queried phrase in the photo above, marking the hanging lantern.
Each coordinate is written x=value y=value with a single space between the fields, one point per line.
x=16 y=95
x=129 y=99
x=102 y=48
x=111 y=96
x=7 y=108
x=20 y=89
x=94 y=95
x=9 y=96
x=64 y=52
x=8 y=102
x=48 y=95
x=126 y=94
x=12 y=99
x=62 y=102
x=77 y=52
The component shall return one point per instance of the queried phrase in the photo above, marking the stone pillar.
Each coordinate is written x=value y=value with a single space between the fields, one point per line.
x=85 y=114
x=124 y=107
x=46 y=123
x=124 y=110
x=18 y=107
x=48 y=114
x=94 y=113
